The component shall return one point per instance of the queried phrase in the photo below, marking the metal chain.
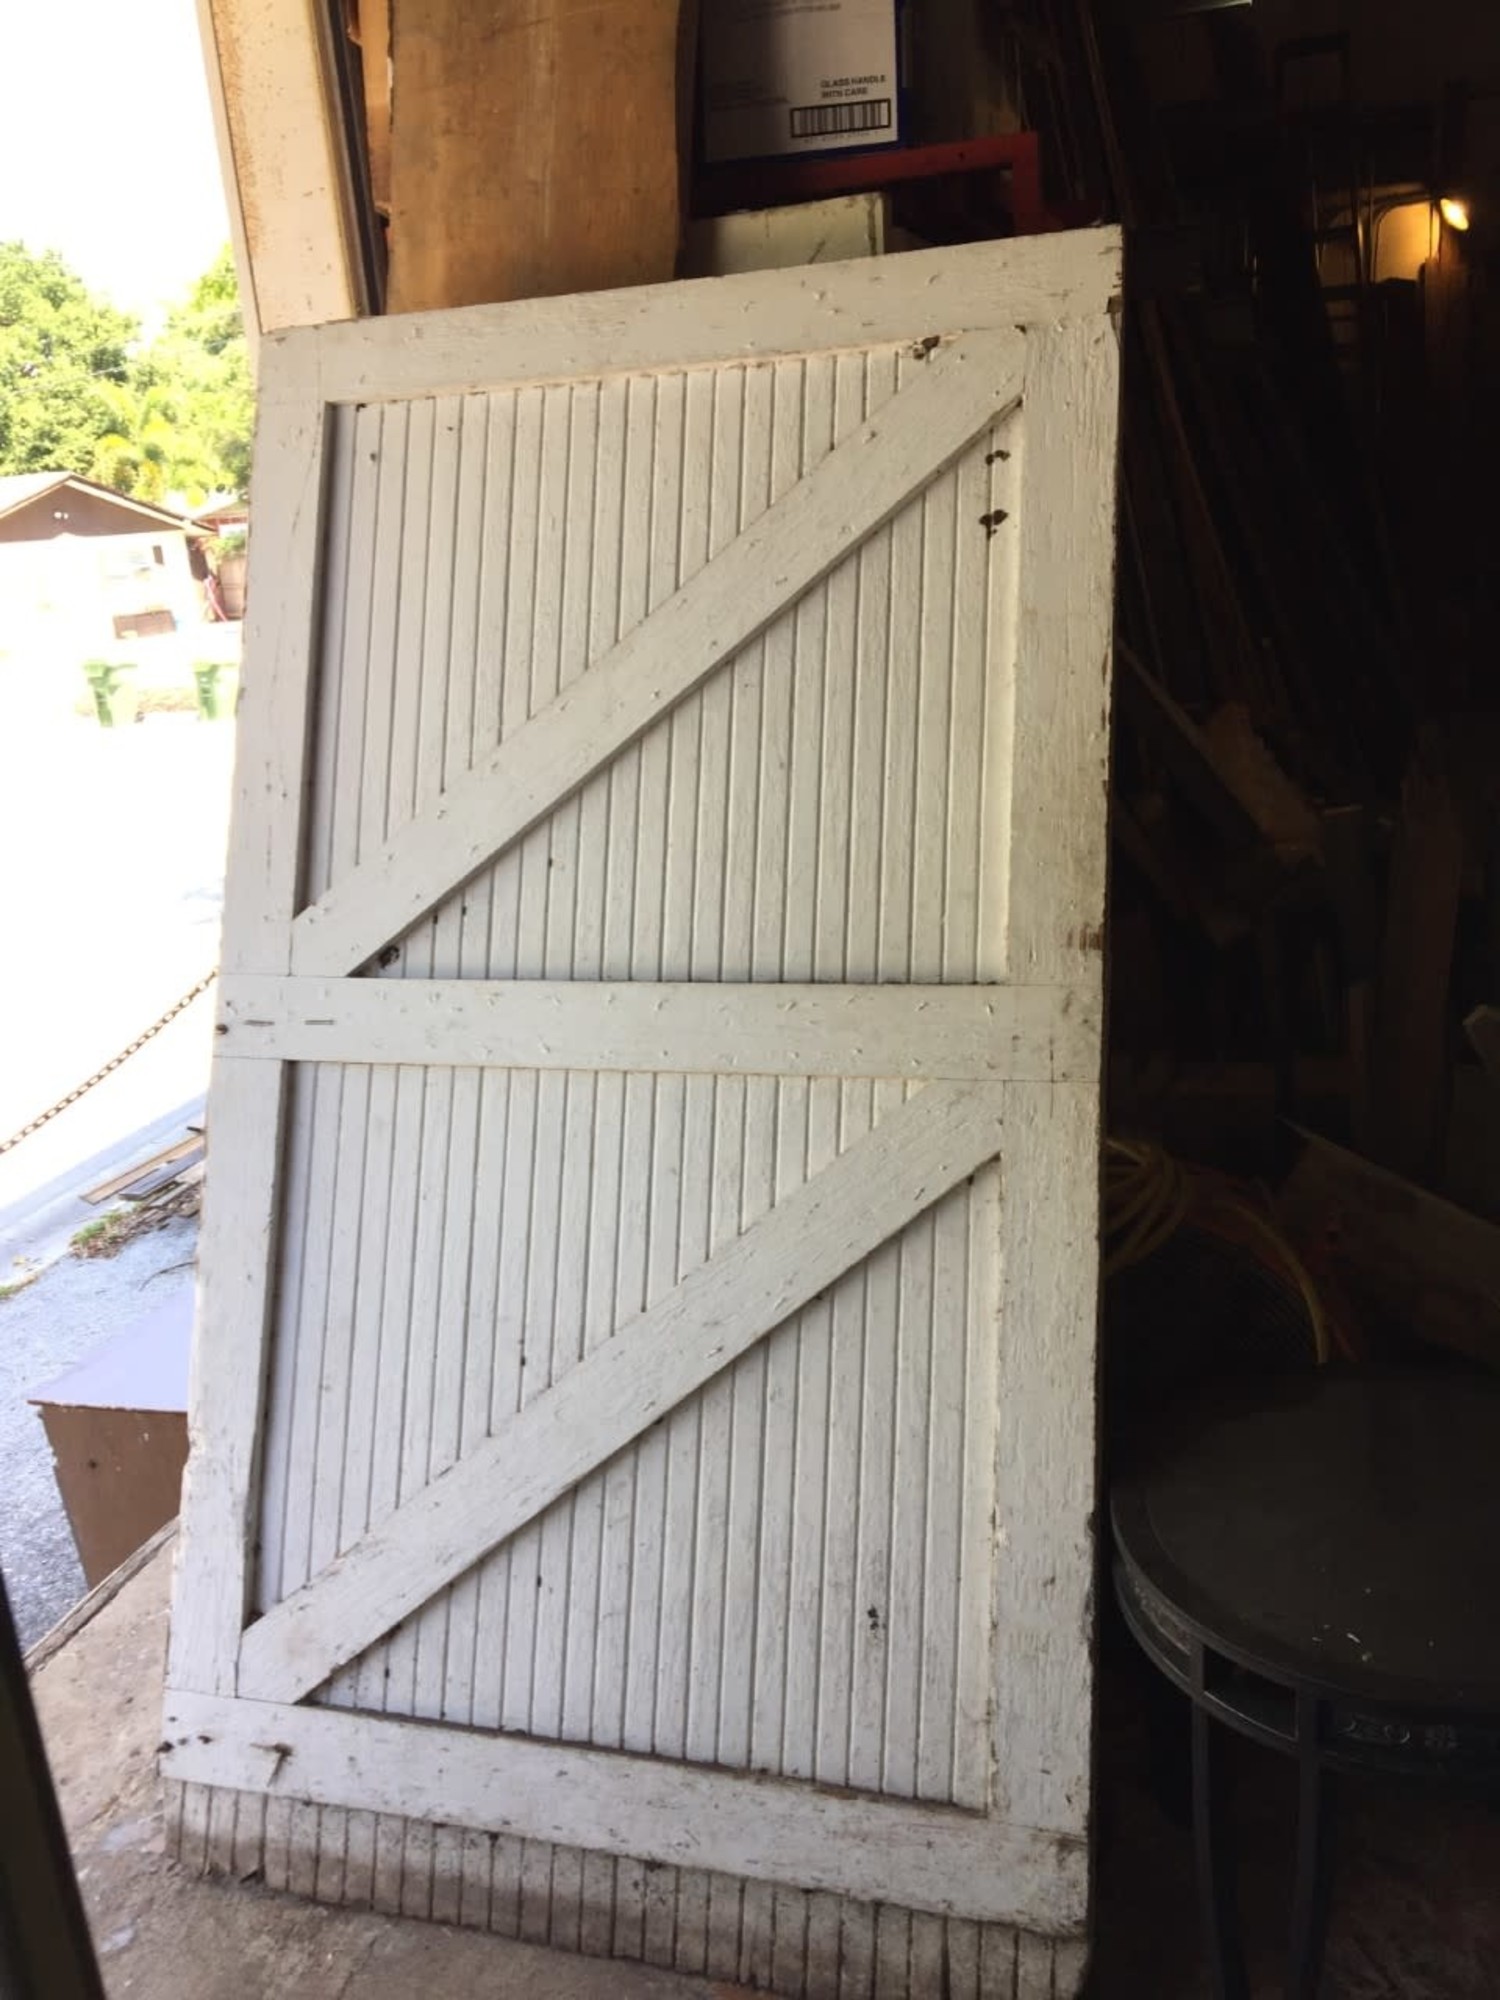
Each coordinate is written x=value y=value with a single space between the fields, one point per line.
x=177 y=1007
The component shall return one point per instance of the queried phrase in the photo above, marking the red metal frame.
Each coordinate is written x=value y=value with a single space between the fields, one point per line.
x=815 y=176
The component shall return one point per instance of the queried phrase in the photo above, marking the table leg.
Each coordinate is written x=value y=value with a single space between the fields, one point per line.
x=1313 y=1882
x=1213 y=1842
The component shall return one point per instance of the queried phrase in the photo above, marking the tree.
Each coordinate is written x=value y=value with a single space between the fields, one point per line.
x=183 y=416
x=169 y=422
x=64 y=359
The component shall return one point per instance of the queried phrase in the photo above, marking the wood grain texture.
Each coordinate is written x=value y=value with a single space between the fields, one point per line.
x=813 y=1938
x=573 y=112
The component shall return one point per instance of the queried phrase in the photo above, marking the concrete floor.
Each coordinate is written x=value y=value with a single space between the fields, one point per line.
x=163 y=1935
x=1417 y=1908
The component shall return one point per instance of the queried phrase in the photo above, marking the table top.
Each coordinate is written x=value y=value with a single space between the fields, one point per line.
x=1340 y=1528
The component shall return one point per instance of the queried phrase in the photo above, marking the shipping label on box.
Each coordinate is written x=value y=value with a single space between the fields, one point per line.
x=797 y=76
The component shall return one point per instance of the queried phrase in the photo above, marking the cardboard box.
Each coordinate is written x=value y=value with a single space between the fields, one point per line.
x=777 y=239
x=117 y=1425
x=797 y=76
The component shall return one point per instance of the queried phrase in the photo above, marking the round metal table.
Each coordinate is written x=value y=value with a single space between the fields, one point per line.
x=1315 y=1562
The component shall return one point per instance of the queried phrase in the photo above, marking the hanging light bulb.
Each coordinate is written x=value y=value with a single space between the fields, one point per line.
x=1453 y=211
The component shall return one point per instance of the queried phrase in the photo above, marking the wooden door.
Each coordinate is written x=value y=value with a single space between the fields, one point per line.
x=643 y=1406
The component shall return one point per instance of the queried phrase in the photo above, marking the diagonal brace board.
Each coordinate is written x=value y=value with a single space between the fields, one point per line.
x=716 y=1314
x=964 y=387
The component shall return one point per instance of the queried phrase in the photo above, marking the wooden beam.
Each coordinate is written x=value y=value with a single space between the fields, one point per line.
x=979 y=1033
x=1035 y=281
x=720 y=610
x=534 y=148
x=283 y=162
x=769 y=1829
x=720 y=1310
x=1426 y=1262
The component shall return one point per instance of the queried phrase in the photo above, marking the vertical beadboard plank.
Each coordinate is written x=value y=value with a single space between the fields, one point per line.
x=1003 y=461
x=803 y=1151
x=1070 y=1967
x=218 y=1832
x=868 y=747
x=930 y=799
x=800 y=928
x=969 y=677
x=536 y=1891
x=776 y=690
x=769 y=1536
x=601 y=1642
x=249 y=1838
x=669 y=1933
x=978 y=1310
x=726 y=1917
x=740 y=1394
x=963 y=1959
x=757 y=1936
x=386 y=591
x=596 y=1923
x=840 y=1609
x=825 y=1948
x=894 y=953
x=1031 y=1960
x=788 y=1962
x=506 y=1863
x=359 y=1859
x=565 y=1899
x=343 y=678
x=409 y=665
x=943 y=1282
x=929 y=1954
x=474 y=1881
x=916 y=1468
x=291 y=1391
x=709 y=1183
x=276 y=1865
x=679 y=1432
x=746 y=678
x=893 y=1953
x=639 y=1228
x=417 y=1869
x=872 y=1488
x=655 y=791
x=841 y=592
x=513 y=665
x=629 y=1939
x=856 y=1950
x=333 y=622
x=631 y=546
x=693 y=1919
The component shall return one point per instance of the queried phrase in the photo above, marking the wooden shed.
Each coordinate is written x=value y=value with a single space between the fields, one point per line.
x=643 y=1415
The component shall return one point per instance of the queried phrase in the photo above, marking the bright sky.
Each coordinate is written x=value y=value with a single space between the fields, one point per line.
x=107 y=146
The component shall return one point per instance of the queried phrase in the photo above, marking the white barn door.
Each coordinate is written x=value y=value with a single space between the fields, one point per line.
x=643 y=1405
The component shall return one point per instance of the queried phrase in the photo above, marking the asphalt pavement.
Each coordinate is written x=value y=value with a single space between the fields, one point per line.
x=111 y=878
x=50 y=1325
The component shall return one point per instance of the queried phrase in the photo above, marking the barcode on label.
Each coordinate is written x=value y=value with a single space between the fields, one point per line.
x=822 y=121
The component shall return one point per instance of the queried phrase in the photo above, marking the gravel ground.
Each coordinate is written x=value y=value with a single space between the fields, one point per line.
x=71 y=1309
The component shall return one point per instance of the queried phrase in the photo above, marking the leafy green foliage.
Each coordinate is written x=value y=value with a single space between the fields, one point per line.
x=64 y=359
x=185 y=414
x=169 y=422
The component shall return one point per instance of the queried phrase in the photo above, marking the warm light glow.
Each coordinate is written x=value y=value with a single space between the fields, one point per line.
x=1454 y=212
